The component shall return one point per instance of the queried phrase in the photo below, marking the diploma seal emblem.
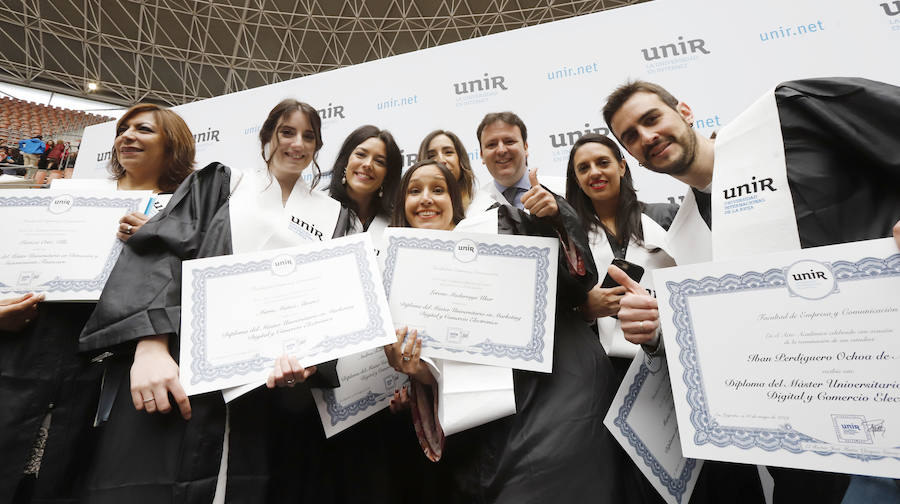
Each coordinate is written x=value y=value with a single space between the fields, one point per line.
x=810 y=279
x=283 y=265
x=851 y=429
x=61 y=204
x=465 y=251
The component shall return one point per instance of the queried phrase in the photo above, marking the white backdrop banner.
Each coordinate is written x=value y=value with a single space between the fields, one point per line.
x=718 y=57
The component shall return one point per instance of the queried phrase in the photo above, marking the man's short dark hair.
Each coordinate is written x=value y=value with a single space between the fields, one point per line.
x=507 y=117
x=622 y=93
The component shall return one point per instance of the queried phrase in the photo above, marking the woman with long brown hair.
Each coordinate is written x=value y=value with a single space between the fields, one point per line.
x=48 y=389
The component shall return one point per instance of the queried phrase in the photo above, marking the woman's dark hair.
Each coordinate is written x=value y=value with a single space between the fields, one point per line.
x=398 y=219
x=282 y=111
x=178 y=145
x=393 y=162
x=628 y=210
x=466 y=175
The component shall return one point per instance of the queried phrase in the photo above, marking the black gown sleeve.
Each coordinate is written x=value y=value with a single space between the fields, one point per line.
x=842 y=153
x=142 y=296
x=661 y=213
x=577 y=273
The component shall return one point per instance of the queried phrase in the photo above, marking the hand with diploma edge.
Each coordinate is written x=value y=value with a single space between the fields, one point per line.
x=16 y=313
x=404 y=357
x=129 y=224
x=537 y=200
x=638 y=311
x=897 y=233
x=288 y=372
x=154 y=375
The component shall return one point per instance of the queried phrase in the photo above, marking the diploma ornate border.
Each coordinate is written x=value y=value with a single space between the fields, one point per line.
x=707 y=430
x=204 y=371
x=61 y=285
x=338 y=412
x=534 y=349
x=675 y=486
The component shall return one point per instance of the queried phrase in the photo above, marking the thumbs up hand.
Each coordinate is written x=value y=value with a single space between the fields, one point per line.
x=638 y=311
x=537 y=200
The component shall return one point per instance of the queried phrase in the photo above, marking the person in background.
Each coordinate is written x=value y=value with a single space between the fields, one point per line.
x=447 y=148
x=55 y=154
x=32 y=149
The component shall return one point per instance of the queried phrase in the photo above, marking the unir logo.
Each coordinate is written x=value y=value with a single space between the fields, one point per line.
x=485 y=84
x=332 y=112
x=753 y=186
x=670 y=50
x=104 y=156
x=208 y=136
x=569 y=138
x=889 y=10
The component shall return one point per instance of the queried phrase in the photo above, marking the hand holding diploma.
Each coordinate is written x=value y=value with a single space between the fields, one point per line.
x=537 y=200
x=129 y=224
x=404 y=357
x=154 y=375
x=288 y=372
x=638 y=312
x=16 y=313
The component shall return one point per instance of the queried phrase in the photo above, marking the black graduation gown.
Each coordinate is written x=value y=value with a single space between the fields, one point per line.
x=41 y=372
x=842 y=153
x=275 y=438
x=377 y=460
x=555 y=448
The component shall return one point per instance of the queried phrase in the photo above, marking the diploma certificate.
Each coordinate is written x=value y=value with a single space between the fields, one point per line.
x=789 y=359
x=485 y=299
x=368 y=383
x=317 y=302
x=642 y=419
x=61 y=243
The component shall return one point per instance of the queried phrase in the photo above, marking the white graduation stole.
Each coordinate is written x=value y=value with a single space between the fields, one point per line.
x=609 y=328
x=259 y=221
x=752 y=208
x=689 y=240
x=473 y=394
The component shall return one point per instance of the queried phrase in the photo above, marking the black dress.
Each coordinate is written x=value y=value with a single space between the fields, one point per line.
x=555 y=448
x=276 y=438
x=42 y=373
